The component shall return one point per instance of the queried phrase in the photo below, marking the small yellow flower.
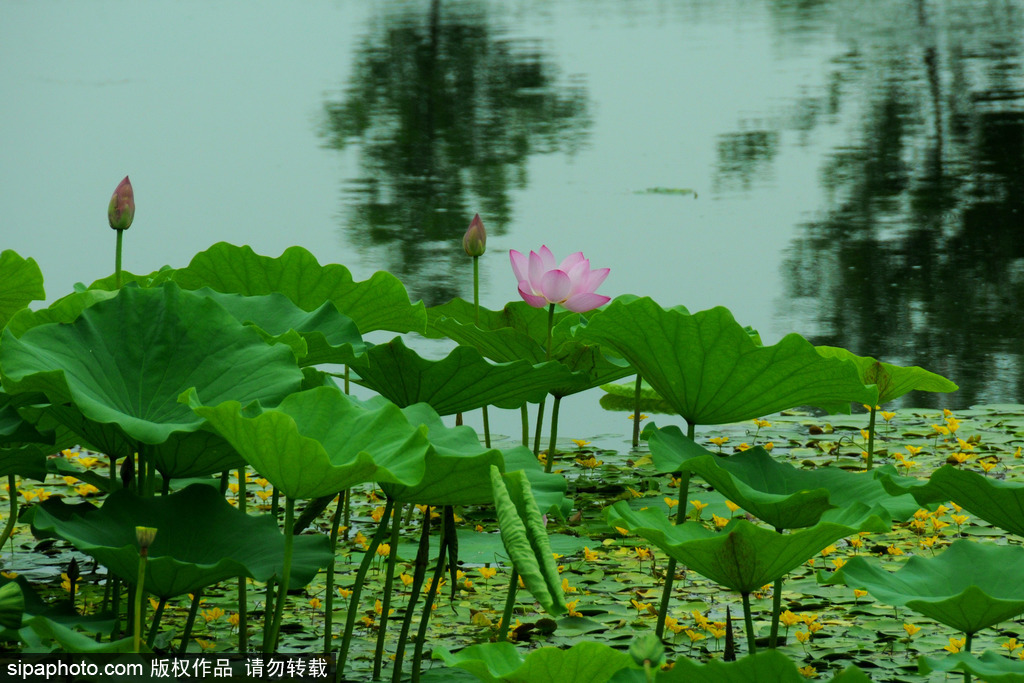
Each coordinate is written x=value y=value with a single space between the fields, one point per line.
x=865 y=434
x=233 y=619
x=1011 y=644
x=838 y=562
x=694 y=636
x=698 y=505
x=589 y=555
x=642 y=553
x=624 y=532
x=803 y=636
x=914 y=450
x=572 y=608
x=487 y=572
x=406 y=579
x=733 y=507
x=719 y=522
x=211 y=615
x=808 y=671
x=893 y=550
x=789 y=618
x=743 y=447
x=1017 y=453
x=9 y=575
x=344 y=592
x=761 y=424
x=671 y=502
x=377 y=513
x=315 y=603
x=944 y=431
x=206 y=644
x=384 y=549
x=911 y=629
x=828 y=551
x=858 y=593
x=566 y=588
x=955 y=645
x=642 y=416
x=580 y=443
x=719 y=440
x=887 y=416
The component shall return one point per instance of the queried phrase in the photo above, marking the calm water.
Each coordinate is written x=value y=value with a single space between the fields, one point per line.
x=858 y=165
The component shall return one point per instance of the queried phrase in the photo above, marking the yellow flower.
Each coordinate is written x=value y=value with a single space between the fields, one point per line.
x=911 y=629
x=66 y=582
x=566 y=588
x=865 y=433
x=70 y=481
x=233 y=619
x=487 y=572
x=580 y=443
x=694 y=636
x=642 y=554
x=589 y=463
x=377 y=513
x=698 y=505
x=914 y=450
x=314 y=603
x=803 y=636
x=719 y=521
x=893 y=550
x=762 y=423
x=206 y=644
x=808 y=671
x=887 y=415
x=1017 y=453
x=699 y=619
x=572 y=608
x=9 y=575
x=953 y=424
x=955 y=645
x=946 y=412
x=588 y=554
x=384 y=549
x=743 y=447
x=344 y=592
x=719 y=440
x=211 y=615
x=987 y=465
x=86 y=490
x=1011 y=644
x=838 y=562
x=858 y=593
x=769 y=446
x=814 y=627
x=828 y=551
x=642 y=416
x=624 y=532
x=87 y=462
x=406 y=579
x=944 y=431
x=733 y=507
x=671 y=502
x=789 y=618
x=262 y=483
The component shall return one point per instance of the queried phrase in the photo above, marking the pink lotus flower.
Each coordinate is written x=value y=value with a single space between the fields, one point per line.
x=122 y=206
x=570 y=284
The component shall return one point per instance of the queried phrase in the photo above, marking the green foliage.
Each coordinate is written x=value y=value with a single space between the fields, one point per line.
x=584 y=662
x=892 y=380
x=22 y=283
x=201 y=539
x=969 y=586
x=710 y=369
x=990 y=666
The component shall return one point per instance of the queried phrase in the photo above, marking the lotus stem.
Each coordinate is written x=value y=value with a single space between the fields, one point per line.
x=357 y=586
x=155 y=624
x=190 y=622
x=282 y=593
x=12 y=517
x=670 y=570
x=421 y=635
x=243 y=598
x=115 y=605
x=540 y=425
x=417 y=585
x=968 y=638
x=510 y=603
x=551 y=324
x=347 y=516
x=773 y=639
x=525 y=413
x=554 y=435
x=871 y=437
x=329 y=597
x=636 y=411
x=389 y=582
x=749 y=619
x=117 y=258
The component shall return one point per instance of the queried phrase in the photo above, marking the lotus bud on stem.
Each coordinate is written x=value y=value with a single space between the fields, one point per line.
x=120 y=214
x=474 y=242
x=144 y=535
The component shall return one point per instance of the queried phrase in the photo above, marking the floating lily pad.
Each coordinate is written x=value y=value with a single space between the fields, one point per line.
x=380 y=303
x=990 y=666
x=892 y=380
x=22 y=283
x=784 y=496
x=12 y=605
x=125 y=360
x=201 y=539
x=462 y=381
x=585 y=662
x=712 y=371
x=998 y=502
x=742 y=556
x=969 y=586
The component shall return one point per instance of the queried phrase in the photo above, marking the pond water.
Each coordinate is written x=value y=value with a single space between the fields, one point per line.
x=857 y=166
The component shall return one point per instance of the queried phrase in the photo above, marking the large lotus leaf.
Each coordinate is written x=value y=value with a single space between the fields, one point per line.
x=28 y=460
x=767 y=666
x=12 y=604
x=998 y=502
x=321 y=441
x=519 y=332
x=327 y=335
x=461 y=381
x=380 y=303
x=586 y=662
x=990 y=666
x=21 y=284
x=548 y=488
x=200 y=539
x=970 y=586
x=125 y=360
x=23 y=449
x=63 y=310
x=784 y=496
x=742 y=556
x=39 y=630
x=713 y=372
x=526 y=539
x=892 y=380
x=457 y=468
x=110 y=282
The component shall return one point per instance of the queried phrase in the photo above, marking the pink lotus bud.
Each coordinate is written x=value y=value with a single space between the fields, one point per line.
x=122 y=206
x=475 y=239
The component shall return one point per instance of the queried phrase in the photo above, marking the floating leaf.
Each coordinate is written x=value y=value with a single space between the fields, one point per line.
x=742 y=556
x=125 y=360
x=892 y=380
x=201 y=539
x=712 y=371
x=990 y=666
x=585 y=662
x=380 y=303
x=767 y=665
x=462 y=381
x=969 y=586
x=784 y=496
x=998 y=502
x=526 y=539
x=22 y=283
x=12 y=605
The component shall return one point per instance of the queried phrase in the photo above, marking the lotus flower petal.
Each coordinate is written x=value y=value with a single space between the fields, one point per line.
x=571 y=284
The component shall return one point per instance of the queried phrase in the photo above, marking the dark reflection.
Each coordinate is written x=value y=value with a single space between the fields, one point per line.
x=918 y=257
x=446 y=112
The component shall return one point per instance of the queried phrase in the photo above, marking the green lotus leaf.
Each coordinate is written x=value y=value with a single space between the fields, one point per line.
x=969 y=586
x=892 y=380
x=23 y=449
x=110 y=282
x=22 y=283
x=125 y=360
x=766 y=665
x=742 y=556
x=462 y=381
x=713 y=372
x=380 y=303
x=43 y=631
x=526 y=539
x=548 y=488
x=990 y=666
x=998 y=502
x=28 y=460
x=12 y=604
x=585 y=662
x=63 y=310
x=200 y=539
x=519 y=332
x=784 y=496
x=457 y=466
x=320 y=441
x=320 y=336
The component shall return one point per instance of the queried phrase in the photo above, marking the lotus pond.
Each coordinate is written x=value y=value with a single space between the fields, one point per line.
x=188 y=470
